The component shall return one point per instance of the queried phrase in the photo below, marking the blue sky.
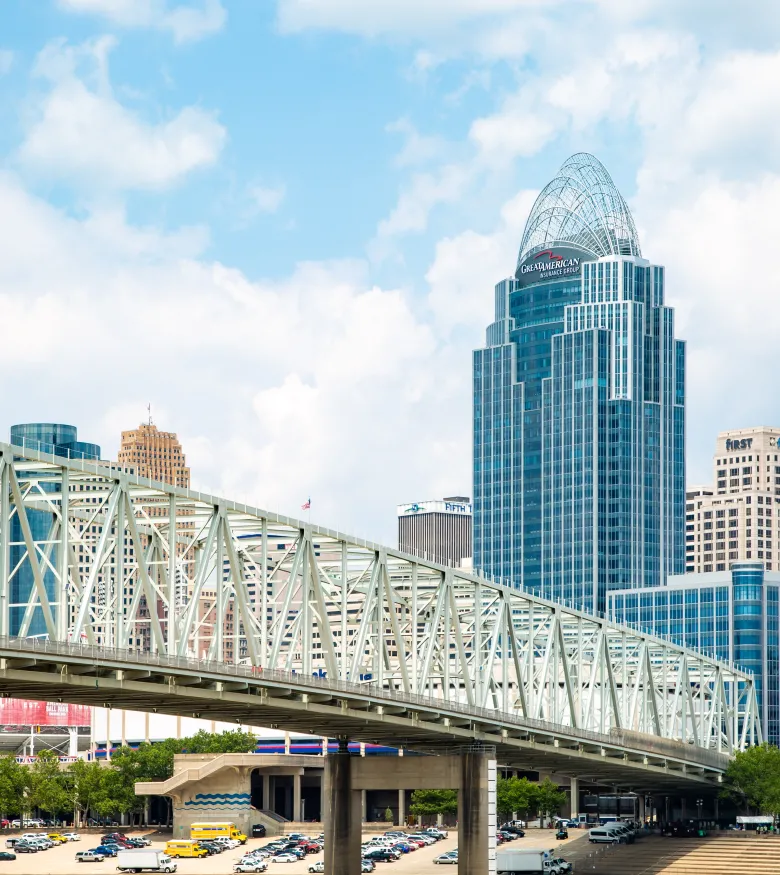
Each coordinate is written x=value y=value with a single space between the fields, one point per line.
x=280 y=221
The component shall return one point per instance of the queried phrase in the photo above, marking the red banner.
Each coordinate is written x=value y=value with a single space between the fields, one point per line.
x=22 y=712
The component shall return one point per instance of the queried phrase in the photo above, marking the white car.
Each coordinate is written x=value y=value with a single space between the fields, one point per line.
x=450 y=857
x=319 y=866
x=251 y=866
x=89 y=857
x=285 y=857
x=72 y=836
x=224 y=840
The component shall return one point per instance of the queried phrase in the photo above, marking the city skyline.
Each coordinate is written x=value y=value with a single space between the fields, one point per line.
x=275 y=279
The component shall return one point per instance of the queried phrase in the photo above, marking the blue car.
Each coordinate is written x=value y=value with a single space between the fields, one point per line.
x=106 y=850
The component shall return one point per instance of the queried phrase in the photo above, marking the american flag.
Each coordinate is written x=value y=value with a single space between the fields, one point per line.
x=306 y=506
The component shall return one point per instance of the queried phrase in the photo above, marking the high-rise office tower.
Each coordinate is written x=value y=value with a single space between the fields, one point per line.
x=579 y=405
x=156 y=454
x=732 y=520
x=58 y=440
x=437 y=530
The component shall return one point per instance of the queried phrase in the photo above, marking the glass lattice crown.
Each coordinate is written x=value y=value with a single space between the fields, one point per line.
x=581 y=207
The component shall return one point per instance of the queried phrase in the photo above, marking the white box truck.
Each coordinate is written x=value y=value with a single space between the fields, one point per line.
x=144 y=860
x=528 y=861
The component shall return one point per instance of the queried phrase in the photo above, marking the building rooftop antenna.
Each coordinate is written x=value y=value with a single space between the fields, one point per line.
x=149 y=409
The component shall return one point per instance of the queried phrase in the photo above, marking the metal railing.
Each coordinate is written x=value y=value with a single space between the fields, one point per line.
x=99 y=655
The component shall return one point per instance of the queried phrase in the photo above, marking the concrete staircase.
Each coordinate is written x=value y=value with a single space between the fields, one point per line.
x=729 y=854
x=196 y=773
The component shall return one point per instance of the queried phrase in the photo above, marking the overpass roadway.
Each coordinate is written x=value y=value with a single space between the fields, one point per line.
x=138 y=594
x=362 y=712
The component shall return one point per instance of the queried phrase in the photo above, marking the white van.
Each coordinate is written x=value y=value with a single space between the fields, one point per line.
x=603 y=836
x=621 y=830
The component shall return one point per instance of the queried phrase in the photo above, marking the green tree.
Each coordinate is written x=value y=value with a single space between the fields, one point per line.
x=753 y=777
x=515 y=794
x=85 y=787
x=14 y=785
x=434 y=802
x=549 y=798
x=47 y=784
x=389 y=815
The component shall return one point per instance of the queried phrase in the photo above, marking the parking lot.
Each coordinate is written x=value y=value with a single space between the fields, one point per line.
x=60 y=860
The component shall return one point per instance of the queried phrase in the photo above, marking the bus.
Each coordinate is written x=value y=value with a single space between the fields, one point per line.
x=217 y=828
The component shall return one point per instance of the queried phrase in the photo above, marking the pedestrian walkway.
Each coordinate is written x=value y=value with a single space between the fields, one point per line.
x=654 y=855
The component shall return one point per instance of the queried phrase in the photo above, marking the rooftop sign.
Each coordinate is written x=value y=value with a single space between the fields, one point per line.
x=420 y=507
x=560 y=262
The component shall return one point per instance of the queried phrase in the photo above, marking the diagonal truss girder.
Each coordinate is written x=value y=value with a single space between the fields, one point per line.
x=130 y=563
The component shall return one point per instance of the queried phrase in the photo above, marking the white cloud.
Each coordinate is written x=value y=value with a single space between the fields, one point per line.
x=186 y=22
x=78 y=130
x=423 y=193
x=400 y=16
x=265 y=199
x=6 y=61
x=279 y=390
x=467 y=266
x=417 y=148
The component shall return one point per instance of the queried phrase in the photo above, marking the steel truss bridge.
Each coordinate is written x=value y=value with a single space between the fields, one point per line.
x=142 y=595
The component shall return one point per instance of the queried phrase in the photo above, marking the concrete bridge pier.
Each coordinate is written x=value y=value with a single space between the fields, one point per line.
x=342 y=815
x=471 y=772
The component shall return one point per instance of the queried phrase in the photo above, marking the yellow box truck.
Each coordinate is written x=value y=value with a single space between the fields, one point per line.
x=215 y=829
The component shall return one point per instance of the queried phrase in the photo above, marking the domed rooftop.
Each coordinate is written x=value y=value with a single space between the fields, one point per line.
x=581 y=207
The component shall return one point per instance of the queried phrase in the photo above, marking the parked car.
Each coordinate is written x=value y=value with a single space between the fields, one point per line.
x=24 y=848
x=106 y=850
x=72 y=836
x=285 y=857
x=257 y=866
x=7 y=855
x=450 y=858
x=89 y=857
x=319 y=866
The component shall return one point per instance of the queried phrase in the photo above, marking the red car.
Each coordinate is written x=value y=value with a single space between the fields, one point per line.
x=310 y=847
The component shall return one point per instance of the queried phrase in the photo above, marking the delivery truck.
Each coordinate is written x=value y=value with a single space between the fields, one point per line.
x=144 y=860
x=526 y=861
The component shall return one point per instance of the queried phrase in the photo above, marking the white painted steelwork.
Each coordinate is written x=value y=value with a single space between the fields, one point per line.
x=140 y=567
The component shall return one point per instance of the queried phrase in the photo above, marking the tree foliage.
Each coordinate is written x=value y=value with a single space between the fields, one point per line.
x=515 y=795
x=434 y=802
x=103 y=789
x=753 y=777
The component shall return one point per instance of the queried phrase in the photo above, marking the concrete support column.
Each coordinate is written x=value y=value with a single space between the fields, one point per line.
x=575 y=797
x=342 y=815
x=363 y=806
x=267 y=804
x=401 y=807
x=667 y=818
x=322 y=796
x=641 y=800
x=716 y=809
x=297 y=797
x=477 y=815
x=682 y=808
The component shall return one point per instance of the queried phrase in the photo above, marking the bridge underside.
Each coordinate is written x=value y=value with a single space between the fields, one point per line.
x=120 y=591
x=290 y=702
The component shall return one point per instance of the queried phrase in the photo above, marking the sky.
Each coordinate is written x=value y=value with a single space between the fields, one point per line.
x=280 y=222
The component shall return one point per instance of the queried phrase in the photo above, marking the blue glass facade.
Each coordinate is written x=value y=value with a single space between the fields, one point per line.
x=579 y=423
x=59 y=440
x=731 y=615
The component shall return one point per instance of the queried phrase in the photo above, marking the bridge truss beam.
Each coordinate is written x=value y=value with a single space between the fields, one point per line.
x=152 y=570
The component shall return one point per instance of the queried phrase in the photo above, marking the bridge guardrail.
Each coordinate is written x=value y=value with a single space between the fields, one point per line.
x=97 y=654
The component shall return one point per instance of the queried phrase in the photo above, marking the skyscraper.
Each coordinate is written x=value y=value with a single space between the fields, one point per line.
x=59 y=440
x=731 y=521
x=437 y=530
x=156 y=454
x=579 y=405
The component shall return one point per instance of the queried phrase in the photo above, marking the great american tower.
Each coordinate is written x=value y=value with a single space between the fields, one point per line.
x=579 y=405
